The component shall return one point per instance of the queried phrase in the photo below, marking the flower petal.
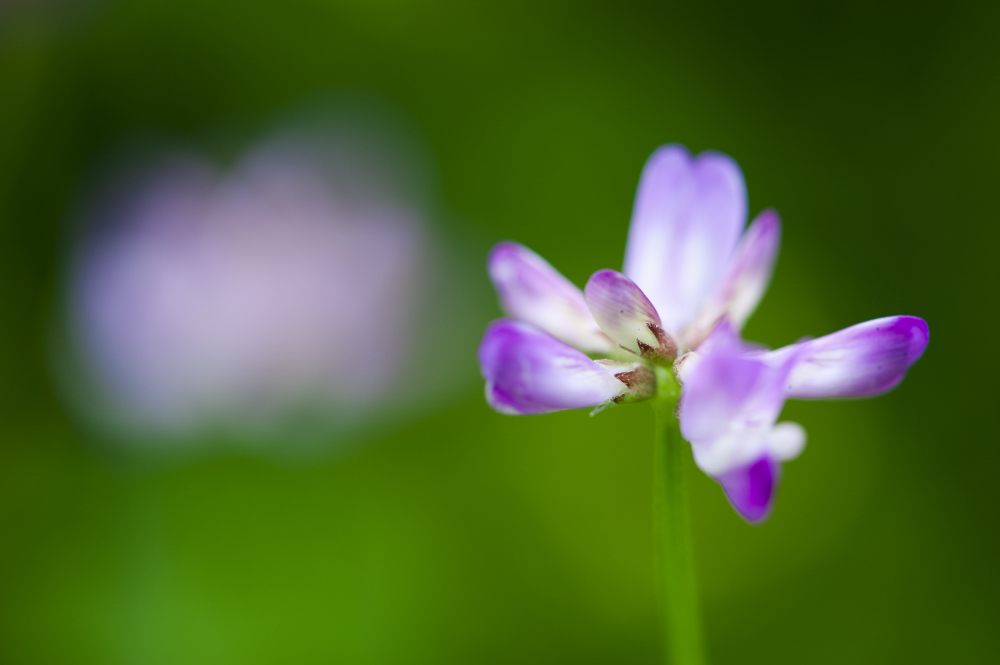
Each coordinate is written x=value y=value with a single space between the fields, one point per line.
x=863 y=360
x=786 y=441
x=745 y=282
x=532 y=290
x=687 y=219
x=740 y=446
x=730 y=383
x=716 y=393
x=625 y=314
x=750 y=489
x=530 y=372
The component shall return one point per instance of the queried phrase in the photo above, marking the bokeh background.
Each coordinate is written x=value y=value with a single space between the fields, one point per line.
x=456 y=535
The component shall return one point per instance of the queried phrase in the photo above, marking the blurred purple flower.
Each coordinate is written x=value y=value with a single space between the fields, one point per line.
x=692 y=277
x=236 y=301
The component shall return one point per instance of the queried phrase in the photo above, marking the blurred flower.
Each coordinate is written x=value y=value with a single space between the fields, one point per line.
x=243 y=302
x=691 y=279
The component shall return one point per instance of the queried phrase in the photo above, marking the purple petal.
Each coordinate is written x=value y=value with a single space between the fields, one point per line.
x=729 y=383
x=751 y=488
x=745 y=281
x=725 y=339
x=687 y=219
x=532 y=290
x=530 y=372
x=860 y=361
x=742 y=445
x=626 y=315
x=716 y=393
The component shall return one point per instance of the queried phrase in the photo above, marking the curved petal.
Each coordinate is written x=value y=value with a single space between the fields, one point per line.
x=625 y=314
x=746 y=464
x=722 y=339
x=750 y=489
x=687 y=219
x=786 y=440
x=532 y=290
x=731 y=396
x=530 y=372
x=740 y=446
x=716 y=394
x=745 y=281
x=863 y=360
x=729 y=383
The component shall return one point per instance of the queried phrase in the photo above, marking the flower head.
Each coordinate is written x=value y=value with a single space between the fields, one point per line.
x=202 y=300
x=692 y=277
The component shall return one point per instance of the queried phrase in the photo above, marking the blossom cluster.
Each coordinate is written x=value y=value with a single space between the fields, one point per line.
x=203 y=300
x=691 y=278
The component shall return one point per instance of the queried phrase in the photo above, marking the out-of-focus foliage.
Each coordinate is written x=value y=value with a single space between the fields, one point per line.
x=465 y=536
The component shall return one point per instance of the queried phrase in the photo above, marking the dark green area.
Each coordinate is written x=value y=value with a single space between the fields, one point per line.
x=467 y=537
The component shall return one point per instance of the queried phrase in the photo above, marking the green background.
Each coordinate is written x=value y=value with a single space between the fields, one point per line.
x=465 y=536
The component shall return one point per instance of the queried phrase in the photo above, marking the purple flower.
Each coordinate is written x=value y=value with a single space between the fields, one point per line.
x=692 y=277
x=243 y=301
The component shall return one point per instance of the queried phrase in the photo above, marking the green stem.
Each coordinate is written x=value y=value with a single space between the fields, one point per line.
x=683 y=643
